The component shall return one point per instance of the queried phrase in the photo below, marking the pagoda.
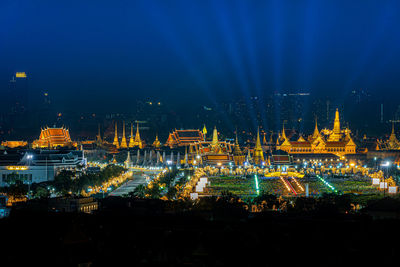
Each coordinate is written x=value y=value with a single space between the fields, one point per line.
x=258 y=154
x=116 y=142
x=137 y=141
x=123 y=141
x=336 y=133
x=238 y=156
x=131 y=140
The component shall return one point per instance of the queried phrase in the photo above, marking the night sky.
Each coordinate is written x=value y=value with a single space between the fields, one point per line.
x=106 y=54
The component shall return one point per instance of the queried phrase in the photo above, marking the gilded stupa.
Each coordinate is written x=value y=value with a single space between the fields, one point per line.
x=258 y=154
x=123 y=141
x=116 y=142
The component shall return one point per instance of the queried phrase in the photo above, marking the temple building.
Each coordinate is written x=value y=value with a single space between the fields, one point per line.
x=258 y=155
x=337 y=141
x=53 y=138
x=179 y=138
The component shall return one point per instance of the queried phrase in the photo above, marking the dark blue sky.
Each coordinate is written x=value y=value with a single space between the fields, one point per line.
x=93 y=53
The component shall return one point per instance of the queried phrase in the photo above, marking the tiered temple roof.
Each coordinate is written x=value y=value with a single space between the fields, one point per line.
x=180 y=138
x=52 y=138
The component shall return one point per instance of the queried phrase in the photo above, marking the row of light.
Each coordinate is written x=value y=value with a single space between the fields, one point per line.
x=286 y=185
x=298 y=184
x=327 y=184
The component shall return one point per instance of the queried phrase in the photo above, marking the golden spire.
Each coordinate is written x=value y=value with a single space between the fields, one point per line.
x=316 y=131
x=336 y=124
x=264 y=139
x=99 y=135
x=238 y=156
x=258 y=152
x=215 y=137
x=335 y=136
x=138 y=141
x=123 y=141
x=236 y=150
x=204 y=130
x=116 y=142
x=283 y=132
x=214 y=143
x=131 y=140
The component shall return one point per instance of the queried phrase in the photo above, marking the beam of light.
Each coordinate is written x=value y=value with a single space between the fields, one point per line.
x=250 y=44
x=225 y=25
x=277 y=28
x=382 y=24
x=162 y=22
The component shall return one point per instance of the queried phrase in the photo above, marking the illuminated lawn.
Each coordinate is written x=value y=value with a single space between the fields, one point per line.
x=273 y=186
x=246 y=186
x=343 y=185
x=234 y=185
x=354 y=185
x=243 y=187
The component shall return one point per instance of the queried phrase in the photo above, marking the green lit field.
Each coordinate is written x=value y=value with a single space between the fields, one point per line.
x=343 y=185
x=246 y=186
x=243 y=186
x=235 y=185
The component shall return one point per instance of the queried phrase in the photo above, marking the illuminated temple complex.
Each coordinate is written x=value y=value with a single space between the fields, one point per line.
x=336 y=141
x=53 y=138
x=179 y=138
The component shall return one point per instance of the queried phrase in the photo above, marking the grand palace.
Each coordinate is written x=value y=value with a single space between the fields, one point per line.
x=194 y=147
x=336 y=141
